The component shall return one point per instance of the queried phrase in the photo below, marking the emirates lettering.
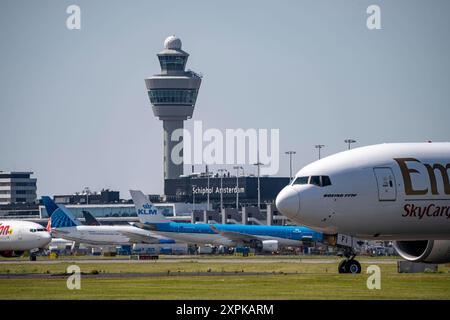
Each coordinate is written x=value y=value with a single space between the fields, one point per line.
x=432 y=169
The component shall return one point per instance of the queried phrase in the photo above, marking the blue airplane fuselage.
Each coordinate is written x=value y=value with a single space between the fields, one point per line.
x=220 y=233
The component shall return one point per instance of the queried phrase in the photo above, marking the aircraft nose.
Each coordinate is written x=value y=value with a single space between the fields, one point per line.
x=45 y=238
x=288 y=202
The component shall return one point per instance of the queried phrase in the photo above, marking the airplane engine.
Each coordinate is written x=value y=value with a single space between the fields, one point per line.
x=11 y=254
x=270 y=245
x=428 y=251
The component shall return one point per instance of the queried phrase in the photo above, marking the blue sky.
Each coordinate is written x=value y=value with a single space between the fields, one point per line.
x=74 y=108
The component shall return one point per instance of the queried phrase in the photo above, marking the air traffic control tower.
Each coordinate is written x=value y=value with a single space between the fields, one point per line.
x=173 y=94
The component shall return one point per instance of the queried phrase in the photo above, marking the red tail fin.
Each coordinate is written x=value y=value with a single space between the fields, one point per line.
x=49 y=225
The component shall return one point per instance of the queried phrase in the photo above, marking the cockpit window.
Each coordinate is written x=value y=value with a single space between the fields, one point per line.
x=326 y=181
x=301 y=180
x=320 y=181
x=315 y=180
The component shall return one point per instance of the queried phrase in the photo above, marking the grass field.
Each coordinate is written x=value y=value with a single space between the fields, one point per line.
x=316 y=279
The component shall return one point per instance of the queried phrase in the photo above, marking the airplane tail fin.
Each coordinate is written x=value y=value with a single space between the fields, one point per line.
x=49 y=225
x=146 y=211
x=89 y=218
x=50 y=205
x=60 y=217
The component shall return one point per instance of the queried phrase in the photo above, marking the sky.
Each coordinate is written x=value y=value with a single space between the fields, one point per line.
x=75 y=111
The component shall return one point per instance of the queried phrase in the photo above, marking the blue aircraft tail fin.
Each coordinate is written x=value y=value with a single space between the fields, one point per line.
x=59 y=215
x=50 y=205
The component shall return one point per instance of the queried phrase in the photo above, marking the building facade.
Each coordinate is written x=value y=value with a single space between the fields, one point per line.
x=17 y=187
x=103 y=197
x=195 y=189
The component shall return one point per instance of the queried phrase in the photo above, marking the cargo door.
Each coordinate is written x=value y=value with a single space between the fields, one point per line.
x=387 y=189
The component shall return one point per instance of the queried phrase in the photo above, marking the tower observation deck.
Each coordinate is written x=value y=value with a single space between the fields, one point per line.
x=173 y=94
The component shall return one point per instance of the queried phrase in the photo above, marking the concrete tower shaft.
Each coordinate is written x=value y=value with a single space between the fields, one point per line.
x=173 y=94
x=172 y=170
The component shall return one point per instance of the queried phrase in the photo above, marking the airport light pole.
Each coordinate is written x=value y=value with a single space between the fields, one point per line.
x=193 y=200
x=208 y=175
x=349 y=142
x=290 y=153
x=259 y=164
x=87 y=191
x=319 y=146
x=222 y=171
x=237 y=185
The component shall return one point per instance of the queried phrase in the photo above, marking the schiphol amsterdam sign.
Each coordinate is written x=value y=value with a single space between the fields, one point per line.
x=217 y=190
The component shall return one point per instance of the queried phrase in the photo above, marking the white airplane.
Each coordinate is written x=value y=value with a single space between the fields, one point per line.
x=398 y=191
x=60 y=244
x=64 y=225
x=16 y=237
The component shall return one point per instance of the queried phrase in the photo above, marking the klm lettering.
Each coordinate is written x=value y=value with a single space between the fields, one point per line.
x=151 y=211
x=431 y=170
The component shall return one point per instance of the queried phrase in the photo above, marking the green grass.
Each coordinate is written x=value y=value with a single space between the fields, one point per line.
x=173 y=268
x=313 y=281
x=424 y=286
x=280 y=266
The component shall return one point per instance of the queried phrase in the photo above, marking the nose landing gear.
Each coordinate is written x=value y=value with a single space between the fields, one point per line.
x=349 y=264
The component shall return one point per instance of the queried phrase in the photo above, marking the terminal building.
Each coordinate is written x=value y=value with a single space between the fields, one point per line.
x=244 y=189
x=104 y=197
x=229 y=199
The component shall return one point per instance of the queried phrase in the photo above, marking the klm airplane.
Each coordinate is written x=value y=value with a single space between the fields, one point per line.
x=265 y=238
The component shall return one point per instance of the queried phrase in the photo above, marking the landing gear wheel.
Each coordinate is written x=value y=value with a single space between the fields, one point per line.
x=342 y=268
x=32 y=257
x=353 y=266
x=349 y=266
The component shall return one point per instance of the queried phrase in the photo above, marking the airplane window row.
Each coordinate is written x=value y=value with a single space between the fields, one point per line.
x=320 y=181
x=37 y=230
